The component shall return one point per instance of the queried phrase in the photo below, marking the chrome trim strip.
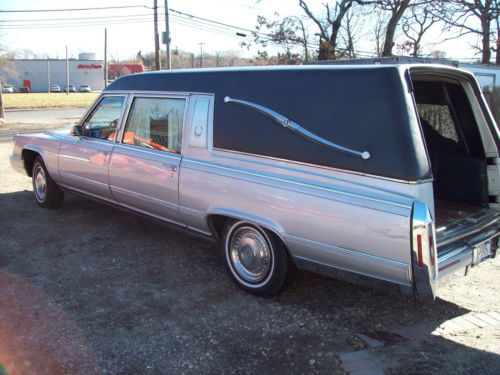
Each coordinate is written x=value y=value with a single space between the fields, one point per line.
x=330 y=190
x=347 y=251
x=143 y=150
x=347 y=270
x=80 y=178
x=115 y=203
x=146 y=197
x=296 y=128
x=222 y=150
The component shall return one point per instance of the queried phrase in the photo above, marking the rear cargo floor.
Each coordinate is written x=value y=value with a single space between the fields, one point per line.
x=448 y=211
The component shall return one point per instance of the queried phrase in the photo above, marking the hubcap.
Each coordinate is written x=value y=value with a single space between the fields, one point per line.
x=250 y=254
x=40 y=183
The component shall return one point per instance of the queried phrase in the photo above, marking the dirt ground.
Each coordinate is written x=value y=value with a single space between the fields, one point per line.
x=87 y=289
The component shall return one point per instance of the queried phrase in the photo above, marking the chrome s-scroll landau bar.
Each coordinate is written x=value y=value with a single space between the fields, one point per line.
x=289 y=124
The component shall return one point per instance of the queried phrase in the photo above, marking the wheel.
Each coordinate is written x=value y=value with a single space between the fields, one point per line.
x=47 y=193
x=256 y=259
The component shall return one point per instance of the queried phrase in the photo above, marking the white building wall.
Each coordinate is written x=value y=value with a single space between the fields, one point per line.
x=81 y=72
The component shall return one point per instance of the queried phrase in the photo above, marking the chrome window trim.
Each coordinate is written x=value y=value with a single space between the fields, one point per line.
x=416 y=182
x=143 y=150
x=147 y=94
x=330 y=190
x=154 y=93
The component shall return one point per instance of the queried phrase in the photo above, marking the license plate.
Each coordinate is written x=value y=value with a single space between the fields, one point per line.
x=481 y=251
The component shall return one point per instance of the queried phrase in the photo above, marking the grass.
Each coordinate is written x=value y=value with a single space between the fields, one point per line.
x=48 y=100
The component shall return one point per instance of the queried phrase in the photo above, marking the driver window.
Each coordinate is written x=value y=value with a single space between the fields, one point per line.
x=102 y=123
x=155 y=123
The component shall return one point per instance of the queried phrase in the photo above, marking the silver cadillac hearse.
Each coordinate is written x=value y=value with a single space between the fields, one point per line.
x=387 y=175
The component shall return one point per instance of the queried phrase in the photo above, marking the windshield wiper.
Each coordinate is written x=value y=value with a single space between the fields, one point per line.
x=289 y=124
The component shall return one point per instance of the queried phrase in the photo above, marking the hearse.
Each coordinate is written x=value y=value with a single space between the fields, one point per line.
x=385 y=175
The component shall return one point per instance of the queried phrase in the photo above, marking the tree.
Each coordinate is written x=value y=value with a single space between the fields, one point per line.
x=6 y=72
x=473 y=17
x=330 y=27
x=415 y=24
x=286 y=32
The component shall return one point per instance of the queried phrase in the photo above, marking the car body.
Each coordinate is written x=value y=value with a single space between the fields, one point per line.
x=85 y=88
x=24 y=90
x=70 y=88
x=8 y=89
x=55 y=88
x=360 y=173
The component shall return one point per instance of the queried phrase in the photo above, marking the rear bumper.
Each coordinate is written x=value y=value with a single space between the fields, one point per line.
x=457 y=254
x=461 y=255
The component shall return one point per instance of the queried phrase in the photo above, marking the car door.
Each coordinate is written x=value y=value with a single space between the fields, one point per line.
x=144 y=166
x=84 y=159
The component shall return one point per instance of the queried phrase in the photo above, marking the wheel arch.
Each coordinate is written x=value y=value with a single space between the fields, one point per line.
x=28 y=155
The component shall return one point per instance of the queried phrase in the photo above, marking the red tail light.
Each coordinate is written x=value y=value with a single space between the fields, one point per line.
x=431 y=250
x=419 y=252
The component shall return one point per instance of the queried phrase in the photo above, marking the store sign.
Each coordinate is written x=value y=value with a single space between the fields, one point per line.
x=89 y=66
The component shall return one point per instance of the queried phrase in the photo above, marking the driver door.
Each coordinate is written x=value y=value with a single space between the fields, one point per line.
x=84 y=160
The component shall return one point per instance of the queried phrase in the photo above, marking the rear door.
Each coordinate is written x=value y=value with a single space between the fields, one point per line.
x=144 y=166
x=84 y=160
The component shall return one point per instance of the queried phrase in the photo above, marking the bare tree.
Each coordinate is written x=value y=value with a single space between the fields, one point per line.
x=416 y=23
x=286 y=32
x=330 y=26
x=474 y=17
x=352 y=30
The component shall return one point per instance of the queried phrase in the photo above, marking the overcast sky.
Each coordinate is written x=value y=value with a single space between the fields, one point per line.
x=131 y=29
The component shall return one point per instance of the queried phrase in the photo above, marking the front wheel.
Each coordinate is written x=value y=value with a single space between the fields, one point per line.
x=255 y=258
x=47 y=193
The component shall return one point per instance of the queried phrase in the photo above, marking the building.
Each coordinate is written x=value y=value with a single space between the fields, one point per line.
x=118 y=70
x=39 y=74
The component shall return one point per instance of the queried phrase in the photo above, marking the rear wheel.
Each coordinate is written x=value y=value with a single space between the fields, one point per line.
x=255 y=258
x=47 y=193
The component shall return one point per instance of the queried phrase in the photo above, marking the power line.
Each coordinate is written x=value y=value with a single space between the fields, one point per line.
x=71 y=10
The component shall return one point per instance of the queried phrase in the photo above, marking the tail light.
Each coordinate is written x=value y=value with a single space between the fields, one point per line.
x=424 y=251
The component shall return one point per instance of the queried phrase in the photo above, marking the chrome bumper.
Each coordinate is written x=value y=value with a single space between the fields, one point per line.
x=460 y=254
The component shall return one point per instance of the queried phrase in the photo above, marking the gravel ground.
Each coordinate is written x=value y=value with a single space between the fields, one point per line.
x=87 y=289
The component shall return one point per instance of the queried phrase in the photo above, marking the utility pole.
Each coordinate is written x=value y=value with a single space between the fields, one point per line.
x=48 y=74
x=201 y=54
x=67 y=71
x=217 y=59
x=105 y=57
x=157 y=37
x=192 y=60
x=168 y=65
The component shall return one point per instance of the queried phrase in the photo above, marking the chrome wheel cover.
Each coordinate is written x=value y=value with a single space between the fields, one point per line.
x=250 y=254
x=40 y=183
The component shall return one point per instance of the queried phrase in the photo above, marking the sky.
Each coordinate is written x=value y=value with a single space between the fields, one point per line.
x=131 y=29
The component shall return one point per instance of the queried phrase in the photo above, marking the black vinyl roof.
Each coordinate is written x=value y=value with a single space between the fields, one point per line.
x=360 y=107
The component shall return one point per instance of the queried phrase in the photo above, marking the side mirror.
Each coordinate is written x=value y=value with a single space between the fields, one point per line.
x=77 y=130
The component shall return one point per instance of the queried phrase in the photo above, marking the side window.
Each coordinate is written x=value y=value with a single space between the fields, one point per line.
x=155 y=123
x=102 y=123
